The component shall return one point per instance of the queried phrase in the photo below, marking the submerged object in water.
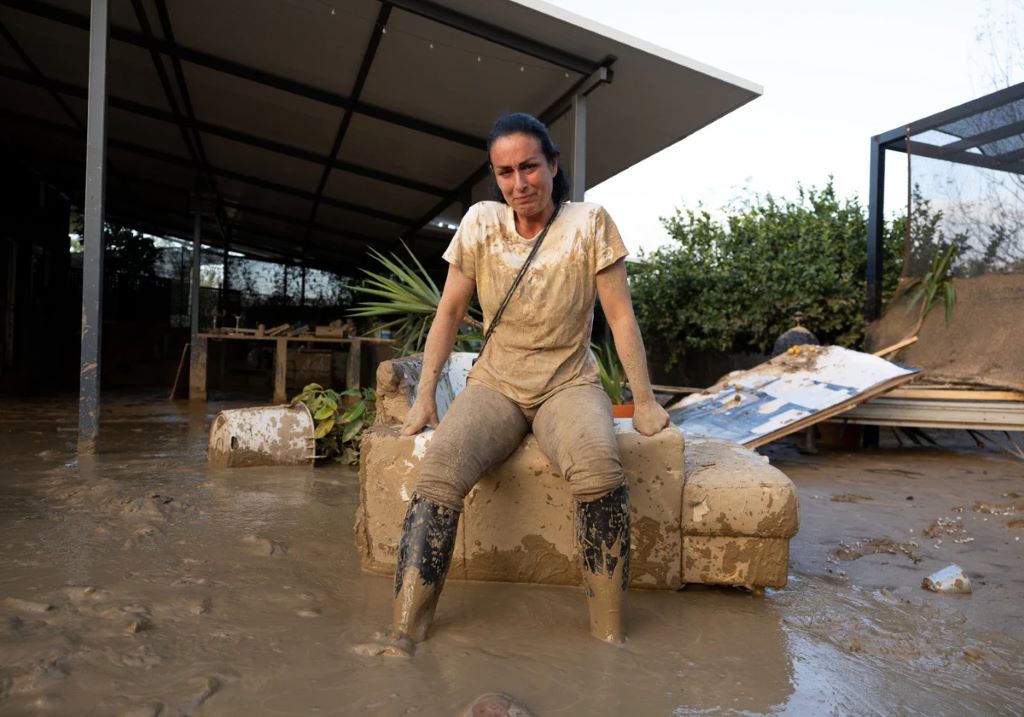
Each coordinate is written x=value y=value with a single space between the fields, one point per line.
x=951 y=579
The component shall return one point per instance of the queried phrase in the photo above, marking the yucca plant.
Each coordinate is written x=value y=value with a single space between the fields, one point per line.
x=405 y=294
x=609 y=368
x=936 y=284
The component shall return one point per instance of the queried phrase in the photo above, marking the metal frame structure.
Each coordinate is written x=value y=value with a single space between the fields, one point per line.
x=221 y=185
x=988 y=132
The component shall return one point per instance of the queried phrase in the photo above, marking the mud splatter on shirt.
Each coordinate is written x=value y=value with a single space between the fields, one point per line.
x=543 y=343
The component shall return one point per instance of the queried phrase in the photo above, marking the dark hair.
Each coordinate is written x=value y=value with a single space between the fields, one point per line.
x=522 y=123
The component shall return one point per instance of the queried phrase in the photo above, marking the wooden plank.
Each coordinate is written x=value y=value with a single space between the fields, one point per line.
x=327 y=332
x=281 y=371
x=954 y=394
x=929 y=413
x=896 y=346
x=660 y=388
x=197 y=370
x=180 y=372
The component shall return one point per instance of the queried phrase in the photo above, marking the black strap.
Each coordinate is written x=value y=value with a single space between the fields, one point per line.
x=515 y=283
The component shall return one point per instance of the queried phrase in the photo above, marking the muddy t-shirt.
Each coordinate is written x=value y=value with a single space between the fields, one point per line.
x=542 y=344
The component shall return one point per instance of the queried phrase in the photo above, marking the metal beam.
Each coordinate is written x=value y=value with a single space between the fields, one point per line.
x=237 y=69
x=953 y=114
x=295 y=221
x=584 y=86
x=993 y=135
x=578 y=174
x=936 y=413
x=364 y=70
x=197 y=261
x=193 y=141
x=498 y=35
x=36 y=72
x=92 y=266
x=217 y=171
x=924 y=149
x=968 y=109
x=225 y=132
x=876 y=230
x=1009 y=158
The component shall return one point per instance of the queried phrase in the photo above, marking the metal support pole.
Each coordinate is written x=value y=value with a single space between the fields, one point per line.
x=876 y=229
x=302 y=287
x=578 y=171
x=223 y=296
x=92 y=267
x=197 y=258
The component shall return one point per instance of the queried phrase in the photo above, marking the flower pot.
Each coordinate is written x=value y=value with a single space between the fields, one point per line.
x=622 y=410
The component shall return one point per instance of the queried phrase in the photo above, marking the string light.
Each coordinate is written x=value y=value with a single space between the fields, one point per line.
x=431 y=44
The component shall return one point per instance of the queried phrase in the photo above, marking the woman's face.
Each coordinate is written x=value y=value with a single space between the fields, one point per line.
x=523 y=173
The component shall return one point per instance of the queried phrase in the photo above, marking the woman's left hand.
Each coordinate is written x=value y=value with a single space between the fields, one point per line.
x=649 y=417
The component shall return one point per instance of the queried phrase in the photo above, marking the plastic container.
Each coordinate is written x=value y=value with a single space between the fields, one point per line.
x=262 y=436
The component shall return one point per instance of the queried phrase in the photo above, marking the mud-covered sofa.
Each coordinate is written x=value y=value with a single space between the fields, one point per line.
x=721 y=515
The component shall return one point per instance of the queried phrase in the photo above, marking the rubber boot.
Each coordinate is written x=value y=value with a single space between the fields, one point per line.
x=424 y=555
x=602 y=529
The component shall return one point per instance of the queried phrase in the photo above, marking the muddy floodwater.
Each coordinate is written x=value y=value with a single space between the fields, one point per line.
x=142 y=582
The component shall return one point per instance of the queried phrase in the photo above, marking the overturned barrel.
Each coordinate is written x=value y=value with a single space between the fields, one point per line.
x=262 y=436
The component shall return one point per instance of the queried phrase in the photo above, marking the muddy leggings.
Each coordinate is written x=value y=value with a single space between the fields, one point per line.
x=482 y=428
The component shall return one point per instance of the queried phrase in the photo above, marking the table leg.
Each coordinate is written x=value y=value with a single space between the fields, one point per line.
x=197 y=369
x=355 y=357
x=280 y=371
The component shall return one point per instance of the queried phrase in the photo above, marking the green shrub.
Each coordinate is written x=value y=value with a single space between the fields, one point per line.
x=734 y=284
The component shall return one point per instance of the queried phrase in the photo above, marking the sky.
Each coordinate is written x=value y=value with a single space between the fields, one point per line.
x=834 y=72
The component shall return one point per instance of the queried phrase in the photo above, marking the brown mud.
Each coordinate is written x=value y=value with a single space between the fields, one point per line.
x=143 y=582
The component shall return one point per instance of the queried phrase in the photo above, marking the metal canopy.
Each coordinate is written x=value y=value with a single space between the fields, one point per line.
x=317 y=129
x=987 y=132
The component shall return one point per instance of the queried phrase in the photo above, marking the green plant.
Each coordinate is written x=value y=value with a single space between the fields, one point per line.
x=731 y=281
x=609 y=368
x=406 y=295
x=936 y=284
x=338 y=427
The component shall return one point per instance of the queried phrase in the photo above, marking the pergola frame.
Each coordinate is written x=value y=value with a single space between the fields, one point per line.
x=180 y=168
x=974 y=148
x=100 y=32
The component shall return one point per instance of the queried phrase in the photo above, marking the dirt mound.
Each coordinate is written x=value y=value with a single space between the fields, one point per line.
x=983 y=344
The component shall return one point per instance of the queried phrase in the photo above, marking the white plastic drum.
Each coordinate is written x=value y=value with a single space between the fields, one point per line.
x=262 y=436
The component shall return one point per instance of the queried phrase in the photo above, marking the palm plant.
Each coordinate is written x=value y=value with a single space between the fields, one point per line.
x=405 y=294
x=609 y=368
x=936 y=284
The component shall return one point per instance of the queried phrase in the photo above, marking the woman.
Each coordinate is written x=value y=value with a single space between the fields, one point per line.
x=535 y=373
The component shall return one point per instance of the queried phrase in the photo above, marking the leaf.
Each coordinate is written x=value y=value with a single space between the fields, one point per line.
x=354 y=412
x=323 y=428
x=950 y=299
x=351 y=431
x=325 y=412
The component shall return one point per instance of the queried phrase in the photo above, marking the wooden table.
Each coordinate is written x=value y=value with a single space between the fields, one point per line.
x=200 y=347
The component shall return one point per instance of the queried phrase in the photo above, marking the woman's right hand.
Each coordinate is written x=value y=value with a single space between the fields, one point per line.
x=423 y=413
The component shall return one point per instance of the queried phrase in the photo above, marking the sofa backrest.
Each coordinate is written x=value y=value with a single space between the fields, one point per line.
x=398 y=379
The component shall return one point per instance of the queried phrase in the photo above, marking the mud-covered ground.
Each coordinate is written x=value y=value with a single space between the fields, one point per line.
x=139 y=582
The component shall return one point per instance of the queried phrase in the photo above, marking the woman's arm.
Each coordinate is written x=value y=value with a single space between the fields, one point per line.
x=612 y=289
x=451 y=311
